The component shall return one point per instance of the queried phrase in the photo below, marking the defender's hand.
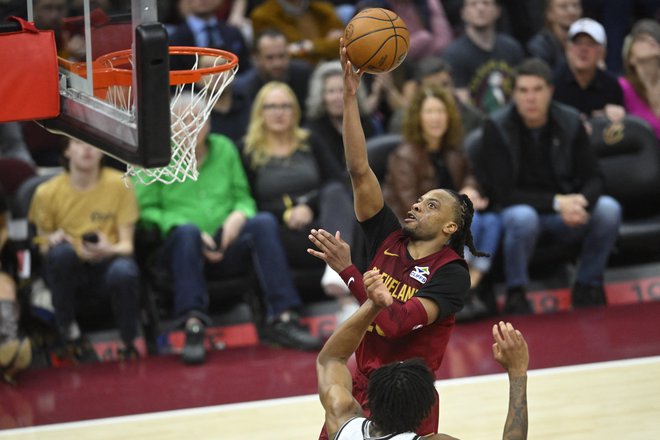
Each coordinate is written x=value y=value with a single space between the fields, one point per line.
x=510 y=349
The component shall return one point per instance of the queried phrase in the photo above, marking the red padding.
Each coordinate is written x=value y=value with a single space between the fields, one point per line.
x=28 y=66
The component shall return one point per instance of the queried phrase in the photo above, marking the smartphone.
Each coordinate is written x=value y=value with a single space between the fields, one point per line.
x=90 y=237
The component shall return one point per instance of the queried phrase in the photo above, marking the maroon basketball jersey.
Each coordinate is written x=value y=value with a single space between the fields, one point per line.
x=404 y=277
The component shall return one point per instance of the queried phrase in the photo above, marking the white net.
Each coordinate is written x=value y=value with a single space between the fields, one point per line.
x=190 y=107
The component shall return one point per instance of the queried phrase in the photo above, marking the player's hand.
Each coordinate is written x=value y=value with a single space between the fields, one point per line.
x=510 y=349
x=332 y=249
x=376 y=290
x=351 y=76
x=210 y=249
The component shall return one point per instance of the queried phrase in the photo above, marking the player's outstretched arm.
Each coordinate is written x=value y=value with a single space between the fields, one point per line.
x=366 y=189
x=334 y=379
x=510 y=350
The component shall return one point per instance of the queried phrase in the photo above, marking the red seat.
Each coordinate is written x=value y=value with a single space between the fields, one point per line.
x=13 y=172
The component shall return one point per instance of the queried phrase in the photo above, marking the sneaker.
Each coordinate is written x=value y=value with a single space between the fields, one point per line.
x=193 y=350
x=586 y=296
x=288 y=332
x=516 y=302
x=79 y=351
x=127 y=353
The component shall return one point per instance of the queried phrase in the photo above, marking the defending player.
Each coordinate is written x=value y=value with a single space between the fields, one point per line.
x=402 y=393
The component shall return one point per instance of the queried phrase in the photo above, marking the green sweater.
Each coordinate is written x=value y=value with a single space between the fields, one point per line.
x=220 y=189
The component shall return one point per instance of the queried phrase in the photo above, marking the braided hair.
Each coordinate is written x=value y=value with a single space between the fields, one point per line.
x=463 y=215
x=400 y=395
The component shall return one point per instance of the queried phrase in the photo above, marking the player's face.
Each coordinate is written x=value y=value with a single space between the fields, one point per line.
x=480 y=13
x=433 y=119
x=564 y=12
x=584 y=53
x=278 y=111
x=273 y=58
x=432 y=215
x=333 y=95
x=532 y=96
x=82 y=156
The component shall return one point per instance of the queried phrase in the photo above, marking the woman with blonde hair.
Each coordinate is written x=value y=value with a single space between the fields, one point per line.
x=325 y=108
x=641 y=80
x=293 y=176
x=431 y=157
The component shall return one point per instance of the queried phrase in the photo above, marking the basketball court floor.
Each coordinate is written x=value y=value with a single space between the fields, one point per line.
x=595 y=374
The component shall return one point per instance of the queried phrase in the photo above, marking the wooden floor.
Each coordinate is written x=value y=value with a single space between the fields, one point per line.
x=609 y=400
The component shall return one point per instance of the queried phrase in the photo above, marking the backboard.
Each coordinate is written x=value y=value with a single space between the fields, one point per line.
x=130 y=123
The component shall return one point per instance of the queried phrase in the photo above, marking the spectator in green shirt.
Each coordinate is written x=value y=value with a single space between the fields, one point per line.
x=212 y=225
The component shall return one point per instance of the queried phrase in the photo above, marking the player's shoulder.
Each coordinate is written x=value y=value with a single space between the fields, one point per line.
x=455 y=270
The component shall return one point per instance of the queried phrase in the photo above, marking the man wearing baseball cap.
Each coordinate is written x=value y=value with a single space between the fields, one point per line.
x=581 y=81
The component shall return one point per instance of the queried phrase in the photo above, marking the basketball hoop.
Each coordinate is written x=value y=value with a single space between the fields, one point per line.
x=195 y=93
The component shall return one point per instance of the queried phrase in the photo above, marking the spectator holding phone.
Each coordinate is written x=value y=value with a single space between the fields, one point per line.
x=85 y=219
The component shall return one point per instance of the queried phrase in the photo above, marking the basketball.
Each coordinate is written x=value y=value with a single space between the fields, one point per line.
x=376 y=40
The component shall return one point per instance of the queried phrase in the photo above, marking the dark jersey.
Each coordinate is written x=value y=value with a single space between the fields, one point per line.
x=441 y=277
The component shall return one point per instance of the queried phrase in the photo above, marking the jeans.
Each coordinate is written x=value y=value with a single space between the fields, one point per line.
x=117 y=278
x=523 y=226
x=486 y=232
x=258 y=244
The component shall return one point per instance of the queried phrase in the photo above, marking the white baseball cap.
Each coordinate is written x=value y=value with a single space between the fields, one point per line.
x=590 y=27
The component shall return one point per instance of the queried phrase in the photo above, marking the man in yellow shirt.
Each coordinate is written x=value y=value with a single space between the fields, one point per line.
x=85 y=218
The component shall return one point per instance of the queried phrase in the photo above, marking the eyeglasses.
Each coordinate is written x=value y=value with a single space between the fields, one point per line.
x=273 y=107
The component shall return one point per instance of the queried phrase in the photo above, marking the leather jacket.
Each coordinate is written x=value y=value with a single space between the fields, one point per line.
x=411 y=173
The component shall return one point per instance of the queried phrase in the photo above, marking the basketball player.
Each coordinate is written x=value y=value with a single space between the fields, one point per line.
x=402 y=393
x=421 y=265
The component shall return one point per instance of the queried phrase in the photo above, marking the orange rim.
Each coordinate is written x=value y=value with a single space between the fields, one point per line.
x=106 y=72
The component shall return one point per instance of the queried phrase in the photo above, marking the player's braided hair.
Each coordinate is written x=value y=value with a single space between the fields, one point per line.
x=463 y=217
x=400 y=395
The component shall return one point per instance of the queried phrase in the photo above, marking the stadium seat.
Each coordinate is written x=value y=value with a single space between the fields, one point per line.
x=629 y=156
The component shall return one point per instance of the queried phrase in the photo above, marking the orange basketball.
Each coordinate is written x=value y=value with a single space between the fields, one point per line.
x=376 y=40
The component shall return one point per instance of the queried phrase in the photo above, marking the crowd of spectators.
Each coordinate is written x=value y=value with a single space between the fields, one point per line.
x=278 y=129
